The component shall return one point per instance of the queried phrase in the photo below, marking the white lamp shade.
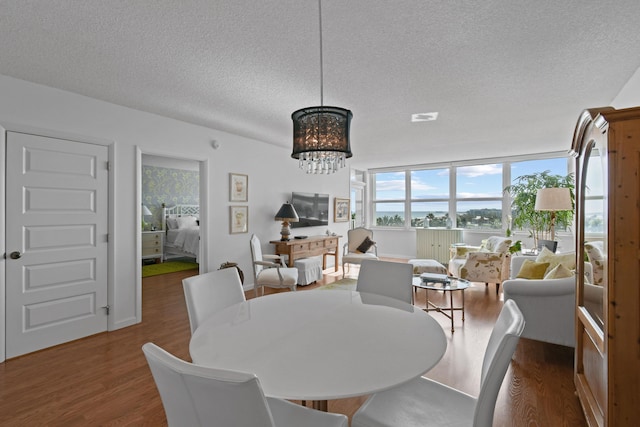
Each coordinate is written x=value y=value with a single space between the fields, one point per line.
x=146 y=211
x=553 y=199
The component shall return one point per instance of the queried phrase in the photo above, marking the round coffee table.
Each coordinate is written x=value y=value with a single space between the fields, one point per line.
x=453 y=285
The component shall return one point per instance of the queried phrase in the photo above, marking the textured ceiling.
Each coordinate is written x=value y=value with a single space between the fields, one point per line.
x=507 y=77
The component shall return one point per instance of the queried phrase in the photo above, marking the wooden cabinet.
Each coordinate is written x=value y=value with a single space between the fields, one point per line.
x=607 y=358
x=434 y=243
x=152 y=242
x=310 y=246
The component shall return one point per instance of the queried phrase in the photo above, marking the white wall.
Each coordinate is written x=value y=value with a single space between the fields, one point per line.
x=629 y=96
x=170 y=163
x=273 y=175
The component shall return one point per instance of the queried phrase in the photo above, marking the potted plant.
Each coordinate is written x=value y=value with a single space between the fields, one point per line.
x=523 y=201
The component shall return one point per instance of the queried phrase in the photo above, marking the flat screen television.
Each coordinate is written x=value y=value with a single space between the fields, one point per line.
x=312 y=209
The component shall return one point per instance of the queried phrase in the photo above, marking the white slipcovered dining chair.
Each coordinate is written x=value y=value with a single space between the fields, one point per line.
x=423 y=402
x=359 y=246
x=391 y=279
x=270 y=273
x=209 y=292
x=195 y=395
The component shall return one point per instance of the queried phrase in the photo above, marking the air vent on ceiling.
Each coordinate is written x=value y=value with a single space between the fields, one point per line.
x=424 y=117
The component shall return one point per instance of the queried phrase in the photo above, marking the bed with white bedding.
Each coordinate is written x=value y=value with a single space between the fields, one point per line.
x=181 y=225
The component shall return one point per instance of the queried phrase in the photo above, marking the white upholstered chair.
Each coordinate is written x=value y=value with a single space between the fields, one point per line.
x=270 y=273
x=355 y=238
x=392 y=279
x=423 y=402
x=209 y=292
x=195 y=395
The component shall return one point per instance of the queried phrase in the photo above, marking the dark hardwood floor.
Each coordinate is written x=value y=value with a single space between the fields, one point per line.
x=104 y=379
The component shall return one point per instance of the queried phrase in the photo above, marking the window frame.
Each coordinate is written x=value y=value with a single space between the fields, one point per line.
x=453 y=200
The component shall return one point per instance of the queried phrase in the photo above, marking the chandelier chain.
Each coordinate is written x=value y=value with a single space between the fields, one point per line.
x=321 y=60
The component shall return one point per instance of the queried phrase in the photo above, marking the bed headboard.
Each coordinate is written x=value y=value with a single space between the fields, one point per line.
x=178 y=211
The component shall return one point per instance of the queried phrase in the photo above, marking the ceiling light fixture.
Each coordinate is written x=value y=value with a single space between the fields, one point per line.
x=424 y=117
x=321 y=134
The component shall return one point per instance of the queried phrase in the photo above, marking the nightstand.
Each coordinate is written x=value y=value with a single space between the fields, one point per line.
x=152 y=245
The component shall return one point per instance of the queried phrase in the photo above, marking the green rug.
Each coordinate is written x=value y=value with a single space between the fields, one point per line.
x=345 y=284
x=167 y=267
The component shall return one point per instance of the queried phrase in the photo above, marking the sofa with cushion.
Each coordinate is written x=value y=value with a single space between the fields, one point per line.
x=487 y=263
x=544 y=288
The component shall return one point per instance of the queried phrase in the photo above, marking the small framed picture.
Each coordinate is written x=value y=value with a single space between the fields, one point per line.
x=238 y=219
x=238 y=187
x=341 y=210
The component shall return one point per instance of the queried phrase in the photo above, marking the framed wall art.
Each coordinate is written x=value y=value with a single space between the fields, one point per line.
x=238 y=187
x=238 y=219
x=341 y=210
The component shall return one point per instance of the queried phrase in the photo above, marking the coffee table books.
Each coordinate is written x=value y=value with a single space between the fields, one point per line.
x=435 y=278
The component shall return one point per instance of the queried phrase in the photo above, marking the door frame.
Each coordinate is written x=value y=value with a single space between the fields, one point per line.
x=203 y=178
x=51 y=133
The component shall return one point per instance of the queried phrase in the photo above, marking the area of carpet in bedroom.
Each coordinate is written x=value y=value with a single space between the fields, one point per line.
x=168 y=267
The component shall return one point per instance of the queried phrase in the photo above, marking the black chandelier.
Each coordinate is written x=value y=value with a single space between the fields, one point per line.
x=321 y=134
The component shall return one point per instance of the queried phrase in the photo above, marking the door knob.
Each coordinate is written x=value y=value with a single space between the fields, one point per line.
x=15 y=255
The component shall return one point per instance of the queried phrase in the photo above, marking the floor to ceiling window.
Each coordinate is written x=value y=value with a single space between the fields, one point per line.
x=465 y=195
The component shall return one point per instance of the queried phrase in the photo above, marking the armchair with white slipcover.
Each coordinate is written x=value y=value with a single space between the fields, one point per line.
x=270 y=273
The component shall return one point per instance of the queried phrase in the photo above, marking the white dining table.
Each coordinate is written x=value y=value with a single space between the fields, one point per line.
x=321 y=345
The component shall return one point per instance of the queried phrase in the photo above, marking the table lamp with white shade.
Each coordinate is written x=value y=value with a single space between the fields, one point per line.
x=553 y=200
x=145 y=213
x=286 y=214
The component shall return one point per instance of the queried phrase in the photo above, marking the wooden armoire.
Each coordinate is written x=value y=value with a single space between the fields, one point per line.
x=607 y=358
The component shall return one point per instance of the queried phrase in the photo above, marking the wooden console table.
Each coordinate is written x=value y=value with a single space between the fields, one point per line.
x=311 y=246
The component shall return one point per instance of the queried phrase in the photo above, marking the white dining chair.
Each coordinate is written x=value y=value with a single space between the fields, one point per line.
x=195 y=395
x=392 y=279
x=270 y=273
x=210 y=292
x=423 y=402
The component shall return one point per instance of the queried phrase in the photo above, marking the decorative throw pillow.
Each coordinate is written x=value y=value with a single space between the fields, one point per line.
x=532 y=270
x=559 y=272
x=172 y=223
x=186 y=221
x=568 y=259
x=365 y=245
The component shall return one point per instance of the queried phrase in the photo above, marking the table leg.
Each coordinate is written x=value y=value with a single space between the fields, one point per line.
x=446 y=311
x=320 y=405
x=463 y=305
x=451 y=306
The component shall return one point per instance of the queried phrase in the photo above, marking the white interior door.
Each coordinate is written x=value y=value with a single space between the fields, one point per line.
x=56 y=241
